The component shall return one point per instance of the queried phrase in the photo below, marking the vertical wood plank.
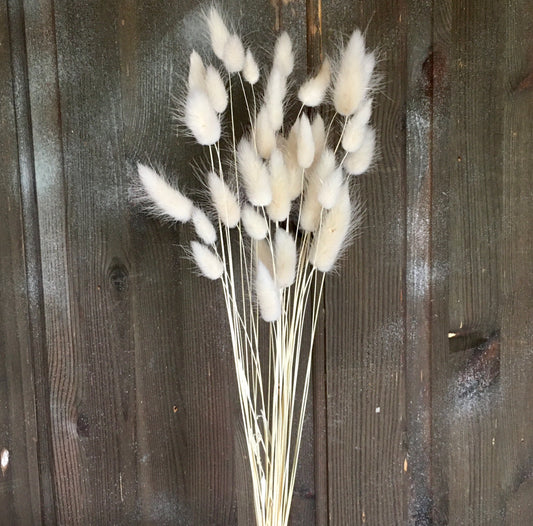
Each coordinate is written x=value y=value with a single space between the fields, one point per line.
x=83 y=216
x=514 y=436
x=418 y=298
x=438 y=79
x=28 y=437
x=364 y=303
x=468 y=152
x=19 y=482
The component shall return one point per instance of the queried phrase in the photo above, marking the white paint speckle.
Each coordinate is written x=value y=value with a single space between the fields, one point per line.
x=4 y=460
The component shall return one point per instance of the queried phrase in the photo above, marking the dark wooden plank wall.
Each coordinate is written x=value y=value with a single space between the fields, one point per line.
x=117 y=401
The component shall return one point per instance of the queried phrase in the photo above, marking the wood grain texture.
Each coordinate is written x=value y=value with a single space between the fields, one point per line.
x=419 y=259
x=364 y=326
x=19 y=488
x=468 y=154
x=25 y=352
x=514 y=435
x=118 y=402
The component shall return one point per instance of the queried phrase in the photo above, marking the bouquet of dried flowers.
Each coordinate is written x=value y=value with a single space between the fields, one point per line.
x=281 y=209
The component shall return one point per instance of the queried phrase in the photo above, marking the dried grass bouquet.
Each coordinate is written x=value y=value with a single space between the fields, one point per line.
x=281 y=208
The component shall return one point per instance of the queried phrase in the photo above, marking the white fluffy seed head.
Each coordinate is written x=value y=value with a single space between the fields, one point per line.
x=217 y=31
x=209 y=264
x=306 y=144
x=216 y=91
x=254 y=174
x=224 y=200
x=250 y=71
x=274 y=95
x=294 y=172
x=265 y=137
x=201 y=118
x=353 y=78
x=164 y=200
x=311 y=206
x=329 y=241
x=319 y=135
x=356 y=127
x=233 y=54
x=203 y=227
x=285 y=258
x=359 y=161
x=283 y=55
x=254 y=223
x=268 y=295
x=331 y=186
x=280 y=206
x=313 y=91
x=196 y=72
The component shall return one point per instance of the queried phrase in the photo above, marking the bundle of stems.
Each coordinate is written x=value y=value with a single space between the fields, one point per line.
x=282 y=210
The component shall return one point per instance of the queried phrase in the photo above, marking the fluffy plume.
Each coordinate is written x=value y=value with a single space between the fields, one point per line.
x=311 y=207
x=330 y=188
x=285 y=258
x=331 y=237
x=294 y=172
x=274 y=94
x=201 y=118
x=233 y=54
x=283 y=55
x=250 y=71
x=217 y=31
x=254 y=174
x=356 y=127
x=165 y=200
x=203 y=226
x=359 y=161
x=354 y=75
x=224 y=200
x=265 y=137
x=306 y=144
x=313 y=91
x=280 y=206
x=196 y=72
x=319 y=135
x=254 y=223
x=268 y=295
x=208 y=262
x=216 y=91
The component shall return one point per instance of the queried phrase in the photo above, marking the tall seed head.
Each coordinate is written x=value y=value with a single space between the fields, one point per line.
x=329 y=240
x=208 y=262
x=306 y=144
x=283 y=55
x=217 y=31
x=359 y=162
x=201 y=118
x=224 y=201
x=313 y=91
x=268 y=295
x=250 y=71
x=254 y=174
x=354 y=75
x=285 y=258
x=216 y=91
x=163 y=198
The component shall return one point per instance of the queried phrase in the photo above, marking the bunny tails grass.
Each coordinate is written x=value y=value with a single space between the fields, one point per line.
x=280 y=208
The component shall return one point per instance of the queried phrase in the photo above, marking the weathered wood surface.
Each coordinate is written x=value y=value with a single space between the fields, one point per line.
x=117 y=397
